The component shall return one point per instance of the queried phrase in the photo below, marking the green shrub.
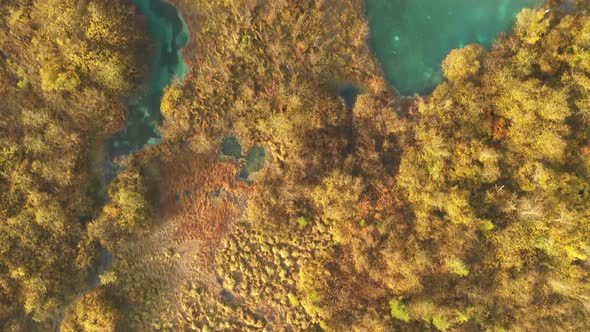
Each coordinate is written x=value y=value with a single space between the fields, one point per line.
x=441 y=323
x=302 y=221
x=399 y=310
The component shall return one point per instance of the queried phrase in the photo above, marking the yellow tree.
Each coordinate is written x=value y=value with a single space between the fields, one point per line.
x=463 y=63
x=92 y=312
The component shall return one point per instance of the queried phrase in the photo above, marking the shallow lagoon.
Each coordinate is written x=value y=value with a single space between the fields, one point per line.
x=410 y=38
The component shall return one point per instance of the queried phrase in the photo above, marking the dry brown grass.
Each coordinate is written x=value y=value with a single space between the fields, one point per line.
x=202 y=196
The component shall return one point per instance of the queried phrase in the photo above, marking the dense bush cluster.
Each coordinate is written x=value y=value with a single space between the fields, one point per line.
x=66 y=68
x=463 y=210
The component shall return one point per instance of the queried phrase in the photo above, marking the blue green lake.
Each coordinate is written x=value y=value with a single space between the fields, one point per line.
x=411 y=38
x=170 y=33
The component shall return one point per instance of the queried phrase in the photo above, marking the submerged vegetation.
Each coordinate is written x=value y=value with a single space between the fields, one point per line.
x=464 y=210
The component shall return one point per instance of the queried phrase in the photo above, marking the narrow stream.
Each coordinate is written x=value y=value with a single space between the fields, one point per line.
x=170 y=32
x=166 y=26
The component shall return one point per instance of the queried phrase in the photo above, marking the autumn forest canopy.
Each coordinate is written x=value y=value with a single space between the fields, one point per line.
x=292 y=188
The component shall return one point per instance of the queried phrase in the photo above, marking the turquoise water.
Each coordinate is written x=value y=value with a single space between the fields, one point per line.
x=411 y=38
x=170 y=33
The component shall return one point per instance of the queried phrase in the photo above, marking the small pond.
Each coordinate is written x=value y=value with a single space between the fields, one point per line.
x=253 y=161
